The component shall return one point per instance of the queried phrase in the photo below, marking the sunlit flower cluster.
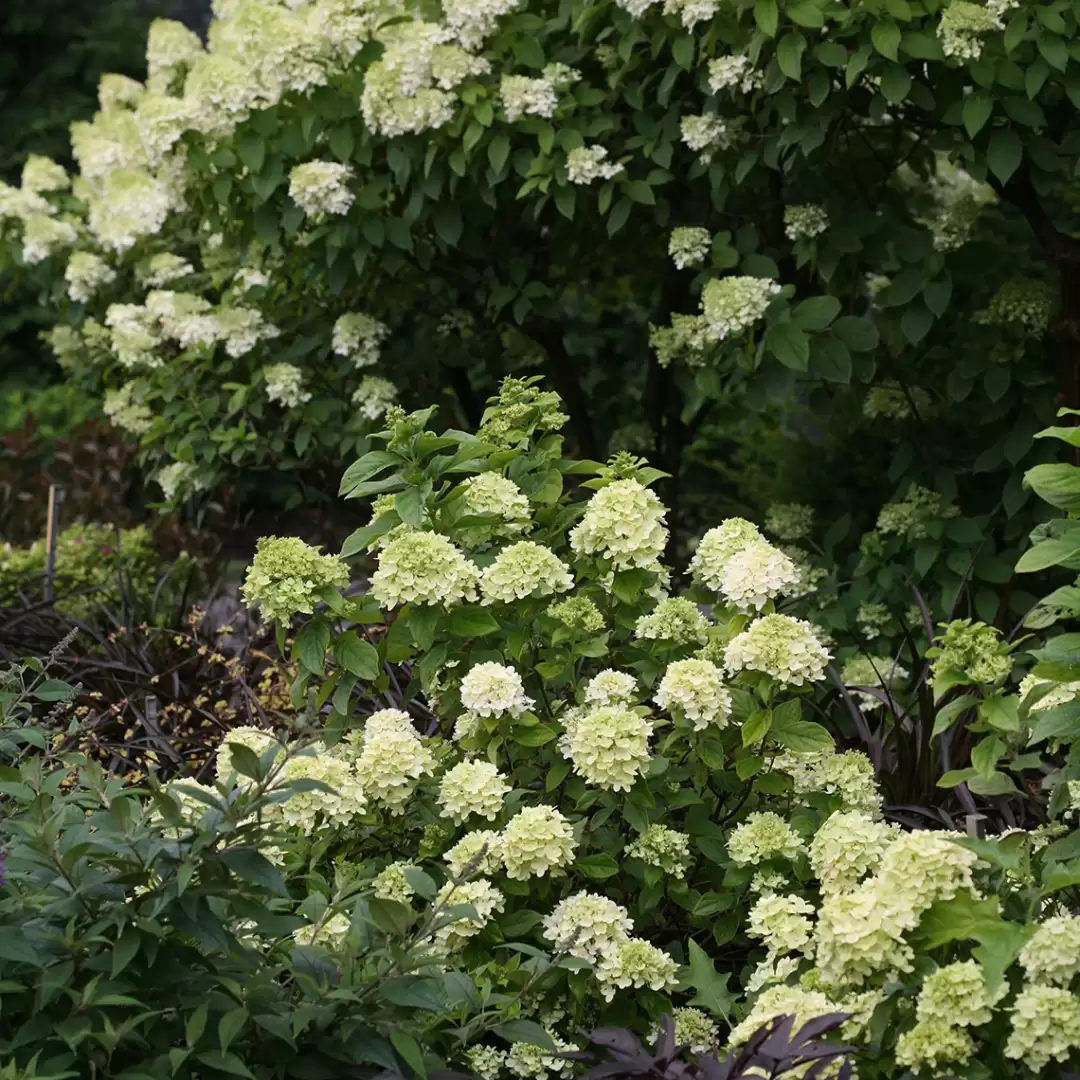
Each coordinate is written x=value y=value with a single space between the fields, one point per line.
x=584 y=164
x=694 y=689
x=755 y=574
x=781 y=921
x=623 y=522
x=330 y=932
x=536 y=841
x=784 y=647
x=662 y=847
x=847 y=847
x=493 y=495
x=524 y=569
x=705 y=134
x=321 y=187
x=963 y=24
x=735 y=72
x=125 y=411
x=635 y=963
x=392 y=884
x=476 y=854
x=609 y=747
x=762 y=836
x=337 y=806
x=849 y=776
x=486 y=901
x=587 y=924
x=390 y=764
x=525 y=96
x=957 y=994
x=284 y=385
x=734 y=303
x=287 y=575
x=359 y=337
x=491 y=689
x=1052 y=954
x=611 y=687
x=689 y=245
x=578 y=613
x=424 y=568
x=44 y=236
x=973 y=649
x=86 y=273
x=674 y=619
x=805 y=221
x=1045 y=1026
x=255 y=739
x=373 y=396
x=472 y=787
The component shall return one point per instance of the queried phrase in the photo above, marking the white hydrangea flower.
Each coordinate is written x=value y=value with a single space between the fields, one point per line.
x=524 y=569
x=321 y=187
x=1052 y=954
x=848 y=846
x=733 y=304
x=804 y=221
x=957 y=994
x=170 y=48
x=782 y=1000
x=695 y=1030
x=44 y=236
x=531 y=1062
x=191 y=807
x=303 y=808
x=490 y=494
x=536 y=841
x=525 y=96
x=425 y=568
x=1045 y=1026
x=849 y=775
x=695 y=689
x=691 y=12
x=717 y=546
x=331 y=933
x=674 y=619
x=285 y=385
x=609 y=747
x=41 y=173
x=664 y=848
x=130 y=205
x=479 y=852
x=19 y=205
x=472 y=22
x=175 y=478
x=586 y=924
x=611 y=687
x=118 y=92
x=392 y=884
x=254 y=739
x=584 y=164
x=472 y=787
x=125 y=412
x=390 y=764
x=373 y=396
x=782 y=922
x=165 y=268
x=689 y=245
x=85 y=274
x=485 y=899
x=756 y=574
x=734 y=72
x=623 y=522
x=763 y=835
x=242 y=328
x=487 y=1062
x=963 y=24
x=705 y=134
x=491 y=689
x=378 y=723
x=635 y=963
x=784 y=647
x=359 y=337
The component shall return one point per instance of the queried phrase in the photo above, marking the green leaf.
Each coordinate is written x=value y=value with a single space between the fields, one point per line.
x=597 y=867
x=249 y=864
x=1001 y=713
x=251 y=150
x=858 y=334
x=683 y=51
x=885 y=35
x=410 y=505
x=357 y=656
x=1048 y=553
x=362 y=537
x=789 y=345
x=895 y=84
x=916 y=322
x=227 y=1063
x=448 y=223
x=985 y=755
x=1004 y=153
x=789 y=53
x=802 y=736
x=471 y=621
x=756 y=727
x=409 y=1049
x=976 y=111
x=525 y=1031
x=229 y=1026
x=830 y=359
x=640 y=192
x=816 y=313
x=53 y=690
x=1059 y=485
x=528 y=51
x=534 y=735
x=498 y=152
x=767 y=16
x=712 y=993
x=311 y=644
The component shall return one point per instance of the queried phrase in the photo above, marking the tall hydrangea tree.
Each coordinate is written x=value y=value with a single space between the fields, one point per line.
x=370 y=202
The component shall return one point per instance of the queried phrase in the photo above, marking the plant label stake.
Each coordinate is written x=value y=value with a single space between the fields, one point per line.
x=52 y=528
